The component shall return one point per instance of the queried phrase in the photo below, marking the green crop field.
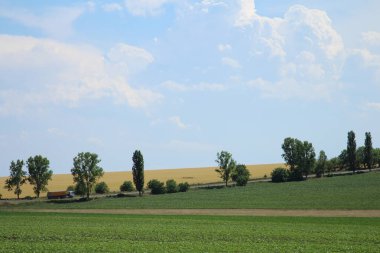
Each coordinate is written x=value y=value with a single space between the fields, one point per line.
x=49 y=232
x=360 y=191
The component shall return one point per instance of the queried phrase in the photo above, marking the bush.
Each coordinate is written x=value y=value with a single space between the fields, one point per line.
x=70 y=188
x=183 y=187
x=127 y=186
x=240 y=175
x=280 y=175
x=171 y=186
x=80 y=189
x=156 y=186
x=101 y=188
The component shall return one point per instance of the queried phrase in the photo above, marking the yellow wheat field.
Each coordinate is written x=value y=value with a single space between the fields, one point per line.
x=204 y=175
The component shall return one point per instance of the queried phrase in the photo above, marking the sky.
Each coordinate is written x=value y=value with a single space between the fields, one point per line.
x=181 y=80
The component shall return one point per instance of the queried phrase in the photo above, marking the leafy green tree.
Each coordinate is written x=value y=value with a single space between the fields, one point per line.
x=226 y=165
x=376 y=157
x=156 y=187
x=16 y=178
x=240 y=175
x=368 y=151
x=334 y=163
x=299 y=156
x=351 y=151
x=280 y=175
x=360 y=157
x=343 y=159
x=39 y=173
x=183 y=187
x=138 y=171
x=80 y=189
x=127 y=186
x=320 y=167
x=101 y=188
x=86 y=171
x=171 y=186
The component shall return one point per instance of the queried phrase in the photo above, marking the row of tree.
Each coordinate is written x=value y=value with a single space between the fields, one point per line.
x=301 y=158
x=86 y=172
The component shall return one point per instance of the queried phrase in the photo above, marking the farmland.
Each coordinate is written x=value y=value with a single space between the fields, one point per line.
x=115 y=179
x=33 y=232
x=360 y=192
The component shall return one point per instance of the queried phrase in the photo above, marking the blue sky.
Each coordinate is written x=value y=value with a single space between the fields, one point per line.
x=181 y=80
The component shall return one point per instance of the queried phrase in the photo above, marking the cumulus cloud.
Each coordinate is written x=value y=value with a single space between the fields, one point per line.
x=371 y=38
x=176 y=120
x=224 y=47
x=60 y=73
x=174 y=86
x=231 y=62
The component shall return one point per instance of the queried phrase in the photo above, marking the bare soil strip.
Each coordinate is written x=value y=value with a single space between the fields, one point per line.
x=221 y=212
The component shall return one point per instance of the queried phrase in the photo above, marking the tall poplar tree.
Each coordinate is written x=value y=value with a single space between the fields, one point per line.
x=368 y=151
x=138 y=171
x=351 y=151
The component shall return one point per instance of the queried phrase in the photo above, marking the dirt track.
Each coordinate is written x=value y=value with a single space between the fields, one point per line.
x=228 y=212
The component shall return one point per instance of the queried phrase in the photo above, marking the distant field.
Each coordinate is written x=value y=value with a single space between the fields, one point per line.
x=32 y=232
x=360 y=192
x=115 y=179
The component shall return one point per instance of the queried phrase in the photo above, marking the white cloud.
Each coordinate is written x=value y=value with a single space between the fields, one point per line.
x=246 y=14
x=110 y=7
x=145 y=7
x=231 y=62
x=372 y=105
x=56 y=22
x=174 y=86
x=371 y=38
x=176 y=120
x=60 y=73
x=224 y=47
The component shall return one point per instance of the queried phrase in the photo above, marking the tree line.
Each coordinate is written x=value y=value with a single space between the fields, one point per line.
x=301 y=159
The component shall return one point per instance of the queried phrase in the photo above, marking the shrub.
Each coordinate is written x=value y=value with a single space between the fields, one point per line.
x=101 y=188
x=156 y=186
x=80 y=189
x=280 y=175
x=70 y=188
x=127 y=186
x=171 y=186
x=183 y=187
x=240 y=175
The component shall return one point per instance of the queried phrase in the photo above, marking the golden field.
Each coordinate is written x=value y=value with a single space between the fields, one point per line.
x=193 y=176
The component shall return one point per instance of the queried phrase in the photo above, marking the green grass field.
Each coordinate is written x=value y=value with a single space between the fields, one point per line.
x=41 y=232
x=360 y=192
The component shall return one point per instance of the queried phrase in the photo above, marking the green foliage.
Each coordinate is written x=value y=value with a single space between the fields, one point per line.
x=138 y=171
x=63 y=232
x=171 y=186
x=280 y=175
x=351 y=151
x=127 y=186
x=156 y=187
x=16 y=178
x=376 y=157
x=360 y=157
x=226 y=165
x=299 y=156
x=101 y=188
x=80 y=189
x=70 y=188
x=183 y=187
x=39 y=173
x=86 y=171
x=240 y=175
x=343 y=159
x=368 y=151
x=320 y=167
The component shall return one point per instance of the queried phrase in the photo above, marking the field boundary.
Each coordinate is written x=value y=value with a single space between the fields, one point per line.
x=219 y=212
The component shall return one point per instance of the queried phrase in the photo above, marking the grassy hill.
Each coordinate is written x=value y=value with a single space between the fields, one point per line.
x=359 y=191
x=115 y=179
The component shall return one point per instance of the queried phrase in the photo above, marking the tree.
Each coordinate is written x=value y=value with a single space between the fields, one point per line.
x=39 y=173
x=351 y=151
x=127 y=186
x=299 y=156
x=156 y=187
x=240 y=175
x=171 y=186
x=368 y=151
x=86 y=171
x=376 y=157
x=102 y=188
x=16 y=178
x=360 y=157
x=138 y=171
x=183 y=187
x=343 y=159
x=226 y=165
x=320 y=167
x=280 y=175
